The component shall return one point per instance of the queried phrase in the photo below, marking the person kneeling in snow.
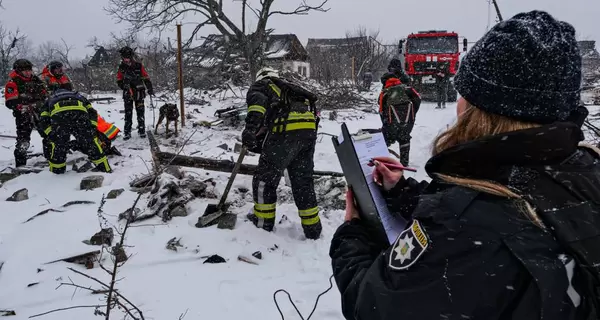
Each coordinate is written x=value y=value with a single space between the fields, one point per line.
x=68 y=113
x=106 y=132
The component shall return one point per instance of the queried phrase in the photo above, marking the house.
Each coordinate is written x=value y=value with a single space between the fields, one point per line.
x=344 y=58
x=282 y=51
x=104 y=57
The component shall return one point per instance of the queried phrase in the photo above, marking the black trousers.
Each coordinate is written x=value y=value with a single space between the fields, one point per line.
x=131 y=98
x=295 y=155
x=398 y=132
x=76 y=123
x=25 y=123
x=442 y=93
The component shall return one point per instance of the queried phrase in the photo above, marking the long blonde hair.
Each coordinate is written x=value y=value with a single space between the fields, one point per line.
x=474 y=124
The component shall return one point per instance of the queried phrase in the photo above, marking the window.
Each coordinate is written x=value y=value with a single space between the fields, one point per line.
x=304 y=71
x=432 y=45
x=299 y=69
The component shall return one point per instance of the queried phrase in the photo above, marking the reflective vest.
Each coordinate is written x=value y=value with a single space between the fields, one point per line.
x=107 y=128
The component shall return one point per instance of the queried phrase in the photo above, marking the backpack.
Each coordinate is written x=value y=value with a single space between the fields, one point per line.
x=576 y=223
x=398 y=105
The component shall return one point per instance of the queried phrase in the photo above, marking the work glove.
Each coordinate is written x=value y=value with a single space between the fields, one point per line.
x=250 y=142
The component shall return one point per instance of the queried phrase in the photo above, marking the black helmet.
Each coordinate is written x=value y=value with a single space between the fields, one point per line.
x=126 y=52
x=54 y=65
x=22 y=65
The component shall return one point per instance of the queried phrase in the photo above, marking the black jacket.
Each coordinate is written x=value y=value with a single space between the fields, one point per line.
x=481 y=257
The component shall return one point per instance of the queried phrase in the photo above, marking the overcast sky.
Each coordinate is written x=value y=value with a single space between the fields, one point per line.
x=79 y=20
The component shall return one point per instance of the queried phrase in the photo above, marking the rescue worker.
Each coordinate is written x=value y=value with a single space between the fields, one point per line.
x=68 y=113
x=106 y=132
x=24 y=94
x=133 y=79
x=367 y=80
x=442 y=80
x=398 y=107
x=54 y=77
x=395 y=68
x=507 y=227
x=282 y=125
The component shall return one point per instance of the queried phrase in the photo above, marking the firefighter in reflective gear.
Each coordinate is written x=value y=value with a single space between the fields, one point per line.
x=106 y=132
x=133 y=79
x=54 y=77
x=68 y=113
x=24 y=93
x=282 y=125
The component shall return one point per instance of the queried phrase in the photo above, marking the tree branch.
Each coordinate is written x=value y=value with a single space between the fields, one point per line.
x=302 y=9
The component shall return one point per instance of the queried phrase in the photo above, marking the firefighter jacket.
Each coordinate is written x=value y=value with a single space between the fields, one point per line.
x=281 y=108
x=106 y=128
x=55 y=82
x=23 y=91
x=58 y=107
x=133 y=77
x=390 y=80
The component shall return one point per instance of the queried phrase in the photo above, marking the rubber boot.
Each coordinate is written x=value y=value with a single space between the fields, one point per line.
x=265 y=224
x=313 y=231
x=404 y=154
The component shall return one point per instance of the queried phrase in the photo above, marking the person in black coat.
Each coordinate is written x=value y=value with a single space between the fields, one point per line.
x=476 y=246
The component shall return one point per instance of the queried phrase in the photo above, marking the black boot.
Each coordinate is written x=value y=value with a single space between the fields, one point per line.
x=142 y=133
x=127 y=136
x=265 y=224
x=313 y=231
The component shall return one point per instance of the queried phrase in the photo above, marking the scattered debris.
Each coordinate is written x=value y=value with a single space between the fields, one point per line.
x=39 y=270
x=257 y=255
x=247 y=260
x=179 y=211
x=174 y=171
x=133 y=217
x=102 y=237
x=68 y=204
x=119 y=253
x=273 y=248
x=174 y=243
x=87 y=259
x=223 y=146
x=91 y=182
x=113 y=194
x=331 y=193
x=237 y=148
x=1 y=265
x=215 y=259
x=6 y=176
x=19 y=195
x=333 y=115
x=6 y=313
x=32 y=284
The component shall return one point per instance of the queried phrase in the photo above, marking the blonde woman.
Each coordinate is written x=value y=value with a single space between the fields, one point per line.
x=479 y=245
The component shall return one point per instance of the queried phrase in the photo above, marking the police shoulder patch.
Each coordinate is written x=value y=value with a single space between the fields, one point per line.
x=409 y=247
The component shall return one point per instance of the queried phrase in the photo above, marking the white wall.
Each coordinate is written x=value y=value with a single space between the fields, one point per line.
x=300 y=67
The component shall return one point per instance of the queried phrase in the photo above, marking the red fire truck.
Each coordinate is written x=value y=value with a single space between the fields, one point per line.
x=427 y=51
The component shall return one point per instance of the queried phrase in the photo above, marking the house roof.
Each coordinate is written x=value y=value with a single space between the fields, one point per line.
x=279 y=46
x=335 y=42
x=103 y=56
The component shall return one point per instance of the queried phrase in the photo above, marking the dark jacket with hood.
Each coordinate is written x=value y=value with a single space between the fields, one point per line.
x=469 y=254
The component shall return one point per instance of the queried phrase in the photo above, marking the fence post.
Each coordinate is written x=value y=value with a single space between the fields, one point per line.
x=180 y=71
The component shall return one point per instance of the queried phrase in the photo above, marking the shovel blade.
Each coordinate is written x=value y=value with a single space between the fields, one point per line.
x=227 y=221
x=210 y=216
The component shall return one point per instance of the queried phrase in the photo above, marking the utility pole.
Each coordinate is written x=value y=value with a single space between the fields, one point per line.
x=180 y=71
x=497 y=10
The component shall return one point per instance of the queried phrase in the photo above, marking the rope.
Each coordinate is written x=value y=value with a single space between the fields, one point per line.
x=294 y=305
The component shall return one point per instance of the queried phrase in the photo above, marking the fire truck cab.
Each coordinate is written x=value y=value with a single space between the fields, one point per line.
x=425 y=53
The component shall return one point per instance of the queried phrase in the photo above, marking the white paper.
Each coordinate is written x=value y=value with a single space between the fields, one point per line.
x=367 y=149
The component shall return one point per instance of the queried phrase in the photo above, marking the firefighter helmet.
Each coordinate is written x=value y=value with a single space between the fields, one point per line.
x=22 y=65
x=266 y=72
x=53 y=65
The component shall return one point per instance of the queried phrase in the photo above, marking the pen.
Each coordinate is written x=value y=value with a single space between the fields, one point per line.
x=393 y=166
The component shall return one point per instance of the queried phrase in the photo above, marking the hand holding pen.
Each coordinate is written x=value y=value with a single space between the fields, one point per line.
x=388 y=171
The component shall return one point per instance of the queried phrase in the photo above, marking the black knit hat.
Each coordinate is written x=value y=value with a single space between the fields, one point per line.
x=527 y=68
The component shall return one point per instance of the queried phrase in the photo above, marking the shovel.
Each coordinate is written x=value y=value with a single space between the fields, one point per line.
x=214 y=212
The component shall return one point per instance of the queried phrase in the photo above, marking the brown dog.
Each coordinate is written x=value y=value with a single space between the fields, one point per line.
x=171 y=114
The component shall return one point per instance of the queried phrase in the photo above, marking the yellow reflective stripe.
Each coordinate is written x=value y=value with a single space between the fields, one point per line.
x=45 y=114
x=95 y=123
x=97 y=143
x=56 y=165
x=52 y=147
x=311 y=221
x=99 y=161
x=47 y=131
x=296 y=126
x=111 y=132
x=276 y=89
x=257 y=108
x=265 y=215
x=308 y=212
x=265 y=206
x=301 y=115
x=59 y=109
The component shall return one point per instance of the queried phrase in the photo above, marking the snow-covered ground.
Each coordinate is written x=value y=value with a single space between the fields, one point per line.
x=165 y=284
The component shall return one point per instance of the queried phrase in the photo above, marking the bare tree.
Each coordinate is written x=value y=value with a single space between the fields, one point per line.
x=11 y=46
x=157 y=15
x=54 y=51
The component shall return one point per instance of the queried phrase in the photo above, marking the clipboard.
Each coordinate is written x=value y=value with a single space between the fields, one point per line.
x=355 y=178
